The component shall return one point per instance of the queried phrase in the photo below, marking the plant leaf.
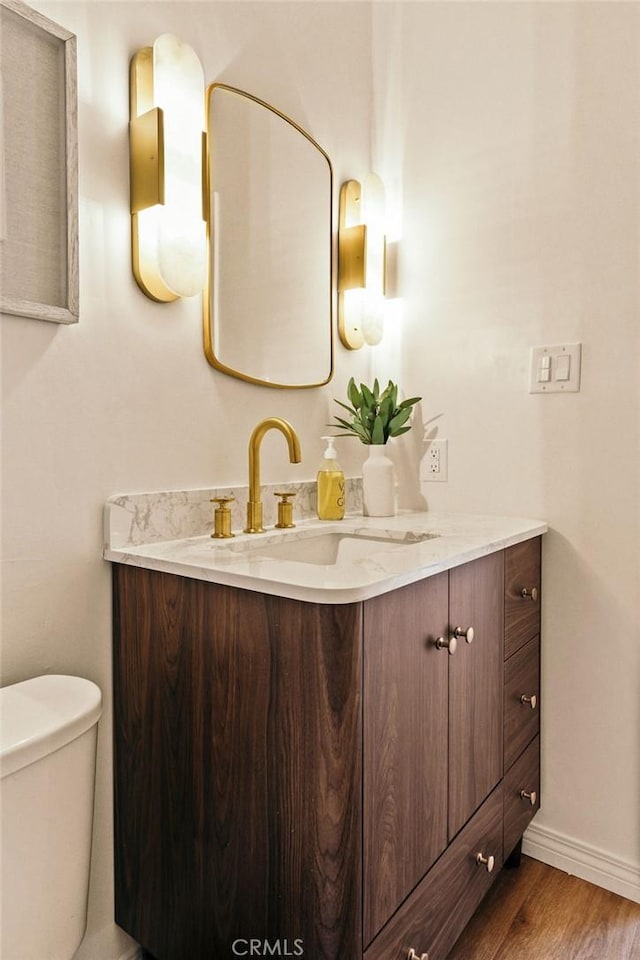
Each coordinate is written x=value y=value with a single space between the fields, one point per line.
x=353 y=412
x=343 y=423
x=367 y=396
x=386 y=409
x=400 y=418
x=400 y=430
x=354 y=394
x=377 y=434
x=358 y=428
x=410 y=402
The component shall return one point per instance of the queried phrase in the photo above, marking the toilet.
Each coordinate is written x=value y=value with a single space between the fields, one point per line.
x=48 y=730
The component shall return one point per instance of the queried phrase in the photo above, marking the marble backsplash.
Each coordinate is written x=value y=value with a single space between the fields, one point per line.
x=134 y=519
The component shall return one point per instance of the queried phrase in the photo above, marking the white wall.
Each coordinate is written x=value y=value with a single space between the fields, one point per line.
x=508 y=134
x=125 y=401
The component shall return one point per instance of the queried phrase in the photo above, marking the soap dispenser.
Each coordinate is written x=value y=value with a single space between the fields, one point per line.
x=330 y=485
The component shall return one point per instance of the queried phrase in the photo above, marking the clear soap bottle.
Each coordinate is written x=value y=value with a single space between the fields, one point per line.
x=330 y=485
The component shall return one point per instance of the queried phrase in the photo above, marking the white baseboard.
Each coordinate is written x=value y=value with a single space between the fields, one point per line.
x=584 y=861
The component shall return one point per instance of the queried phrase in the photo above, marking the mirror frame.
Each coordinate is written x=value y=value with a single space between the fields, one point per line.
x=208 y=317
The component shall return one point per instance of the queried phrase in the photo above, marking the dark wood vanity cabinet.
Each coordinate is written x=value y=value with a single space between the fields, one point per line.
x=330 y=782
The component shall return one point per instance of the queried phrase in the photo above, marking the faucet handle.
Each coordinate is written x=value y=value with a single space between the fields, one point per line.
x=222 y=518
x=285 y=510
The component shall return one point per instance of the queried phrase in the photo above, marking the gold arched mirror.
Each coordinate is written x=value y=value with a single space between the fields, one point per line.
x=268 y=306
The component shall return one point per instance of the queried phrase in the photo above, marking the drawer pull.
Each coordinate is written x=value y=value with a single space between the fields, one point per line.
x=450 y=645
x=488 y=862
x=532 y=700
x=468 y=634
x=412 y=955
x=531 y=797
x=529 y=594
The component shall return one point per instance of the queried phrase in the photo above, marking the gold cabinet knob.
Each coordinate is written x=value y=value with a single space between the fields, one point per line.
x=531 y=797
x=460 y=633
x=450 y=644
x=532 y=700
x=222 y=518
x=529 y=594
x=412 y=955
x=285 y=510
x=488 y=862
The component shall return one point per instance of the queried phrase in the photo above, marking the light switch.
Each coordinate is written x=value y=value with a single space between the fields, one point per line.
x=563 y=367
x=555 y=368
x=544 y=368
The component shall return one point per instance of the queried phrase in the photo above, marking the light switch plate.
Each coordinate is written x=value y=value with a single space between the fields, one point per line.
x=543 y=375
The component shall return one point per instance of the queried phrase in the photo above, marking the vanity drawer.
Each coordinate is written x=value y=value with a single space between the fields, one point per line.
x=521 y=594
x=521 y=791
x=521 y=700
x=433 y=917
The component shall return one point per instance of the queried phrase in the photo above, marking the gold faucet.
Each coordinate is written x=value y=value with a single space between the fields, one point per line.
x=254 y=506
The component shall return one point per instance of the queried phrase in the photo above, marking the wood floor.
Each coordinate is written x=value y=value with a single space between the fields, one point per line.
x=538 y=913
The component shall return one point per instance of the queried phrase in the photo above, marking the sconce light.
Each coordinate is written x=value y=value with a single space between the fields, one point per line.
x=167 y=143
x=361 y=262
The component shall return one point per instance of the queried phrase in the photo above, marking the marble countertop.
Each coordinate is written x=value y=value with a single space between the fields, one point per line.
x=422 y=544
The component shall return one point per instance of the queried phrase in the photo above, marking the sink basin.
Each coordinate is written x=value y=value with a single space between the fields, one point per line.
x=336 y=549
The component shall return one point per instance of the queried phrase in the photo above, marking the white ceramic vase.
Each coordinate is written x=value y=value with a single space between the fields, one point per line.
x=378 y=483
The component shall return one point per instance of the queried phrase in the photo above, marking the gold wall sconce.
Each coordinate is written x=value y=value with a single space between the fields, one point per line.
x=167 y=144
x=361 y=262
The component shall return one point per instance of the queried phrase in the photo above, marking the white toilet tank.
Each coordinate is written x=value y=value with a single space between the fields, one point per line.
x=48 y=729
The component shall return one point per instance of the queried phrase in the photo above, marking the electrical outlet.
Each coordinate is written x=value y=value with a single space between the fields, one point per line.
x=434 y=464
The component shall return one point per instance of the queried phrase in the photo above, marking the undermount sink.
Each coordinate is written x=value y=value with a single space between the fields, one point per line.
x=336 y=548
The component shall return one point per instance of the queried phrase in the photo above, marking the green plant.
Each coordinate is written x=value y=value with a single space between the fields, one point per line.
x=375 y=416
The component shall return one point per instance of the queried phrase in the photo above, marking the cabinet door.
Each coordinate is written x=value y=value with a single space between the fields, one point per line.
x=405 y=743
x=475 y=686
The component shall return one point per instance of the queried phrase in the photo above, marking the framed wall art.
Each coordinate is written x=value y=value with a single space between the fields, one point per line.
x=38 y=166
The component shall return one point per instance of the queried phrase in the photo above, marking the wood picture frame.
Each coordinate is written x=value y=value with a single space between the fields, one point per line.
x=38 y=167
